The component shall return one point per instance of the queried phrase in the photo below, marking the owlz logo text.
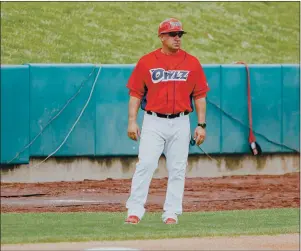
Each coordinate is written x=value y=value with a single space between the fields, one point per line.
x=160 y=75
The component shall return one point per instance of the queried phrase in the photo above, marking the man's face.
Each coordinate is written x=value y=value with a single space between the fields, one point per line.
x=172 y=40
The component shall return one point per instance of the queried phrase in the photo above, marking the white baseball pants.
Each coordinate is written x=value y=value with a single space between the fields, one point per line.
x=171 y=137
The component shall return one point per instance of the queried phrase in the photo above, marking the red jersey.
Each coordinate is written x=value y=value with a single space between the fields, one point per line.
x=167 y=83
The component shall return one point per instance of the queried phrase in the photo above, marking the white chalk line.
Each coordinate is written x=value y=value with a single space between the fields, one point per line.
x=71 y=201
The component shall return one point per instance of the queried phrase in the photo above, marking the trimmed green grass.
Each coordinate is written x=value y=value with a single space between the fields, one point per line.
x=121 y=32
x=60 y=227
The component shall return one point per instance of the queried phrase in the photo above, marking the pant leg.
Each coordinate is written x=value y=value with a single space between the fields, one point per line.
x=150 y=149
x=176 y=152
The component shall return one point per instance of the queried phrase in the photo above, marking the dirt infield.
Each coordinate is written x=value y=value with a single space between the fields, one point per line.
x=279 y=242
x=243 y=192
x=227 y=193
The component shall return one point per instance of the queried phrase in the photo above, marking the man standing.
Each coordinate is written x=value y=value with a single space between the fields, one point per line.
x=164 y=83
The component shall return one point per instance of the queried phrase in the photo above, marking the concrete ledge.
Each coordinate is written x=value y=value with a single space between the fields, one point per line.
x=77 y=169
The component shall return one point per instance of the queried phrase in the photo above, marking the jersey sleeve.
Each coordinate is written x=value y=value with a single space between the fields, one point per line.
x=201 y=86
x=136 y=82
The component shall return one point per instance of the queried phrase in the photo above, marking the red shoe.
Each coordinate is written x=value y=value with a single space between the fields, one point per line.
x=171 y=221
x=132 y=219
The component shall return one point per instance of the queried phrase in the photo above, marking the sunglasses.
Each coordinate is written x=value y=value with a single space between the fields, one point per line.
x=175 y=33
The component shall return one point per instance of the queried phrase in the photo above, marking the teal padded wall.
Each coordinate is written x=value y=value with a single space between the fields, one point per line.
x=36 y=93
x=291 y=107
x=14 y=113
x=266 y=81
x=50 y=88
x=234 y=102
x=112 y=112
x=213 y=115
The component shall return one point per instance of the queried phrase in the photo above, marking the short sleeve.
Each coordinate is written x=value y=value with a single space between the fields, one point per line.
x=200 y=83
x=136 y=82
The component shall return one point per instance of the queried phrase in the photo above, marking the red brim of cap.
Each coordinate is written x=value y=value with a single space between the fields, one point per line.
x=171 y=30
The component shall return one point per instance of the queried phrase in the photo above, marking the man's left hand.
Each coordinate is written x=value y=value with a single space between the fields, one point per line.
x=199 y=135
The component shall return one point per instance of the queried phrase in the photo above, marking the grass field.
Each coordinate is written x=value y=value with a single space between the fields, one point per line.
x=56 y=227
x=121 y=32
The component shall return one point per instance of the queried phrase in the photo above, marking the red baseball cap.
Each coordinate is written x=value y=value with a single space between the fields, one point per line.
x=169 y=25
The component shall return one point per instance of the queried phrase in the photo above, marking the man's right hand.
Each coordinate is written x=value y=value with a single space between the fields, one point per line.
x=133 y=130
